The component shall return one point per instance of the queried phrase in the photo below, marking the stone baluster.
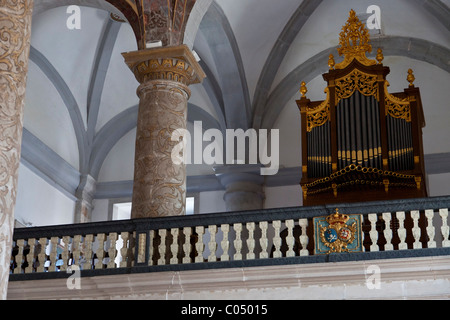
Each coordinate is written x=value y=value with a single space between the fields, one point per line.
x=88 y=251
x=277 y=239
x=303 y=238
x=238 y=241
x=30 y=255
x=76 y=251
x=264 y=242
x=187 y=244
x=415 y=214
x=199 y=246
x=251 y=241
x=142 y=241
x=373 y=232
x=290 y=241
x=151 y=249
x=112 y=250
x=42 y=257
x=212 y=245
x=225 y=243
x=19 y=257
x=162 y=247
x=430 y=229
x=131 y=253
x=65 y=253
x=444 y=228
x=174 y=246
x=53 y=253
x=387 y=231
x=125 y=262
x=401 y=230
x=100 y=251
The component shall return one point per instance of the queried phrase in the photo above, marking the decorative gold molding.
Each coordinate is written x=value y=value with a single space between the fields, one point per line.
x=396 y=107
x=364 y=82
x=319 y=115
x=354 y=42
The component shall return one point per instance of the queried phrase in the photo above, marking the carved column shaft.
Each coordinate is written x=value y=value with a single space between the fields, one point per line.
x=15 y=30
x=159 y=187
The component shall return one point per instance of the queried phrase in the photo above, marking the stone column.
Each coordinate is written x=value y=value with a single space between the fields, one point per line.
x=243 y=186
x=15 y=28
x=164 y=75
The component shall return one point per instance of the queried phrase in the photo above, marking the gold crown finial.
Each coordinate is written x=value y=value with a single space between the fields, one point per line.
x=303 y=89
x=410 y=78
x=337 y=218
x=354 y=42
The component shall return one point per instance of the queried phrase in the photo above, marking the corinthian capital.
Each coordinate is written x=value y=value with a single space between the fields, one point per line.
x=166 y=63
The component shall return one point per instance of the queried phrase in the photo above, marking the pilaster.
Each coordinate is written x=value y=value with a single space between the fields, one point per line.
x=243 y=186
x=85 y=195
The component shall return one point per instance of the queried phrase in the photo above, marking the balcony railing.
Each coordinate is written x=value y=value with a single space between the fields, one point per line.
x=401 y=228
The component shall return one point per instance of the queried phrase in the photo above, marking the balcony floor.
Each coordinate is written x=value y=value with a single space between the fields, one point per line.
x=396 y=278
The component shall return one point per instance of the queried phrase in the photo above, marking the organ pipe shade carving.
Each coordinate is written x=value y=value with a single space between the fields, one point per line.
x=362 y=142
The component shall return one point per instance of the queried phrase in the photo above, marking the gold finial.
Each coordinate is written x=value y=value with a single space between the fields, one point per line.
x=354 y=42
x=337 y=218
x=410 y=78
x=303 y=89
x=331 y=62
x=379 y=56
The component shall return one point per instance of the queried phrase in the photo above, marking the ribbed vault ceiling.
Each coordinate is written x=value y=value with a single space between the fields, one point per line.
x=81 y=103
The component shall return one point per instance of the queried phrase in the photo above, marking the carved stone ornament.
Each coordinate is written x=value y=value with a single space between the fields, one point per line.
x=15 y=30
x=166 y=63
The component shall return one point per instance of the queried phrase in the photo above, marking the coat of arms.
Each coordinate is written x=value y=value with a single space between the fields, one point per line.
x=337 y=233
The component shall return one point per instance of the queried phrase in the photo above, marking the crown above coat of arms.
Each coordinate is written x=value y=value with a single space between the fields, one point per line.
x=337 y=218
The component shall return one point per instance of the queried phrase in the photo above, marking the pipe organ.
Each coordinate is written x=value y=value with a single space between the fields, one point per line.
x=361 y=142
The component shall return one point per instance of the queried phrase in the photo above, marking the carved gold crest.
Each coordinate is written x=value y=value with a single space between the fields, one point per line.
x=338 y=233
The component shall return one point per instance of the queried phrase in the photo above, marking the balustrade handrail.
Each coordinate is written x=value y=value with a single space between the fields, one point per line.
x=244 y=237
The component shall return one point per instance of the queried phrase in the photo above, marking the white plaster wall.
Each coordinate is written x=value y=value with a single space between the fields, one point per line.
x=100 y=211
x=284 y=196
x=39 y=203
x=256 y=24
x=211 y=201
x=439 y=184
x=45 y=114
x=71 y=52
x=119 y=163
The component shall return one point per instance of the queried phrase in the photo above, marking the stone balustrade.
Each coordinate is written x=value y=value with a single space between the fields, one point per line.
x=391 y=229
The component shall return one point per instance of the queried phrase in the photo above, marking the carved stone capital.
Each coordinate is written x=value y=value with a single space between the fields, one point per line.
x=166 y=63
